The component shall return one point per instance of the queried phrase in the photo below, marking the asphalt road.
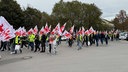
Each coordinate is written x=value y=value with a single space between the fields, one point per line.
x=105 y=58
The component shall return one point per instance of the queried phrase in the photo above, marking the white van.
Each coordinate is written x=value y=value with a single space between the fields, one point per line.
x=123 y=35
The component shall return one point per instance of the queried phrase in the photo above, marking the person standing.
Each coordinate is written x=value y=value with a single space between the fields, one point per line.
x=102 y=36
x=79 y=38
x=106 y=38
x=37 y=44
x=23 y=42
x=43 y=41
x=91 y=39
x=112 y=36
x=47 y=41
x=54 y=46
x=17 y=42
x=70 y=41
x=3 y=47
x=97 y=38
x=59 y=39
x=87 y=39
x=31 y=41
x=50 y=43
x=83 y=40
x=12 y=42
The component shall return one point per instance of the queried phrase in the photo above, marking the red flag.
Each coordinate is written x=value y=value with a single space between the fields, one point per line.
x=67 y=34
x=57 y=29
x=35 y=30
x=49 y=28
x=91 y=30
x=42 y=31
x=6 y=35
x=30 y=31
x=1 y=28
x=24 y=33
x=83 y=30
x=6 y=30
x=62 y=28
x=80 y=31
x=18 y=31
x=72 y=29
x=46 y=29
x=7 y=38
x=87 y=32
x=53 y=31
x=59 y=32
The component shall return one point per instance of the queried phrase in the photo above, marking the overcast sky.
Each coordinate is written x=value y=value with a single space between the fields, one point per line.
x=109 y=7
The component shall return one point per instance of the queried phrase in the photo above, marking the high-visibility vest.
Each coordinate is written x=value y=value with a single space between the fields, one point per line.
x=80 y=37
x=32 y=38
x=16 y=40
x=40 y=38
x=57 y=38
x=47 y=38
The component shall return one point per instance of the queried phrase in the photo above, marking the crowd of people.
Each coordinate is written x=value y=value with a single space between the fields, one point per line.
x=33 y=42
x=51 y=41
x=94 y=38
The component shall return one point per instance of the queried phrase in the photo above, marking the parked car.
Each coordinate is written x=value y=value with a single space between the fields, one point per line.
x=123 y=35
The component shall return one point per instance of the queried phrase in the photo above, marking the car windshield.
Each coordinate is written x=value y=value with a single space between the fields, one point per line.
x=123 y=34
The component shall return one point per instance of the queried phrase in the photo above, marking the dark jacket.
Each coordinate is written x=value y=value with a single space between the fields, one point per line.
x=43 y=39
x=97 y=36
x=37 y=41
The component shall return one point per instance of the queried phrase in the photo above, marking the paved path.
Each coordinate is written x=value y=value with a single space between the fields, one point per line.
x=105 y=58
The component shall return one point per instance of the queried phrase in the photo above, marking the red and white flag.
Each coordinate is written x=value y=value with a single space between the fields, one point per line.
x=42 y=31
x=6 y=30
x=30 y=31
x=66 y=34
x=23 y=32
x=72 y=29
x=49 y=28
x=1 y=28
x=46 y=29
x=6 y=35
x=18 y=31
x=59 y=32
x=53 y=31
x=83 y=30
x=91 y=30
x=35 y=30
x=87 y=32
x=80 y=31
x=57 y=29
x=63 y=27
